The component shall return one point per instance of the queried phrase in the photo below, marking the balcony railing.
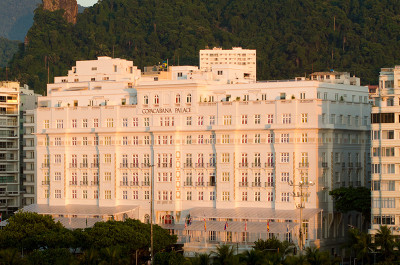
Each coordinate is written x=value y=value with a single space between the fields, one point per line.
x=199 y=165
x=123 y=165
x=94 y=183
x=211 y=184
x=73 y=165
x=45 y=165
x=146 y=183
x=211 y=164
x=324 y=164
x=200 y=184
x=303 y=165
x=73 y=183
x=134 y=165
x=243 y=184
x=243 y=165
x=165 y=165
x=145 y=165
x=269 y=164
x=84 y=165
x=124 y=183
x=84 y=183
x=95 y=165
x=256 y=164
x=188 y=165
x=188 y=183
x=256 y=184
x=134 y=183
x=269 y=184
x=46 y=182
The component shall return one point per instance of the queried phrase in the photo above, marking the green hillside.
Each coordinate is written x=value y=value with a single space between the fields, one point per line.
x=7 y=50
x=292 y=37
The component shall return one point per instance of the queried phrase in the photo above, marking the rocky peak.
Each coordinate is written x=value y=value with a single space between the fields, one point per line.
x=70 y=7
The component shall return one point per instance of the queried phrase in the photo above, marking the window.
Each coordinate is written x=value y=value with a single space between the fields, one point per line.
x=257 y=119
x=270 y=118
x=263 y=96
x=284 y=138
x=46 y=124
x=188 y=121
x=57 y=158
x=74 y=194
x=145 y=100
x=84 y=194
x=286 y=118
x=200 y=120
x=96 y=123
x=244 y=119
x=125 y=122
x=304 y=117
x=284 y=157
x=107 y=140
x=257 y=196
x=285 y=177
x=257 y=138
x=146 y=121
x=285 y=196
x=178 y=98
x=84 y=123
x=57 y=194
x=74 y=123
x=60 y=124
x=212 y=195
x=85 y=141
x=135 y=195
x=189 y=195
x=270 y=138
x=57 y=141
x=302 y=95
x=225 y=157
x=147 y=195
x=135 y=122
x=73 y=140
x=107 y=194
x=156 y=100
x=57 y=176
x=270 y=196
x=201 y=196
x=225 y=196
x=189 y=98
x=212 y=120
x=382 y=118
x=107 y=158
x=227 y=119
x=244 y=139
x=304 y=138
x=225 y=176
x=225 y=139
x=147 y=139
x=110 y=122
x=125 y=140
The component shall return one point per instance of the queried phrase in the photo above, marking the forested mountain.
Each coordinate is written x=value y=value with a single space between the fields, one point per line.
x=7 y=49
x=292 y=38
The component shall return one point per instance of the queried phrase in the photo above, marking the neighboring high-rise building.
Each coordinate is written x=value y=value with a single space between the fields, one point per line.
x=222 y=149
x=9 y=148
x=385 y=137
x=244 y=59
x=28 y=102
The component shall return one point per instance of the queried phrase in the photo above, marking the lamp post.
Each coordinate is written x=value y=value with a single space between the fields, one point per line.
x=151 y=212
x=303 y=185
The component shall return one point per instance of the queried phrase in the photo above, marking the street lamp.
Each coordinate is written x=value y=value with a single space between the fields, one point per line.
x=303 y=185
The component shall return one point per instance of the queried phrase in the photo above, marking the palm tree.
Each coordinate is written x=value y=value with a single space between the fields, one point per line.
x=385 y=240
x=201 y=259
x=252 y=257
x=225 y=255
x=315 y=257
x=112 y=255
x=360 y=243
x=90 y=257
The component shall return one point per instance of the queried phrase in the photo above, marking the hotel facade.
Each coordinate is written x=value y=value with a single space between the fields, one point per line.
x=384 y=152
x=230 y=160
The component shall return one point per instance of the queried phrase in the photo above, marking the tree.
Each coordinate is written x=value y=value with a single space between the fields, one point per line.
x=352 y=199
x=252 y=257
x=384 y=241
x=316 y=257
x=360 y=243
x=225 y=255
x=201 y=259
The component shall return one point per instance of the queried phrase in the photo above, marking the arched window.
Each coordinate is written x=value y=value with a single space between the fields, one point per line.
x=189 y=98
x=168 y=219
x=146 y=100
x=178 y=99
x=156 y=99
x=147 y=219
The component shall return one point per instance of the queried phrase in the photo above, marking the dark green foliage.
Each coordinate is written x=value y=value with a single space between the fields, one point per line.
x=292 y=38
x=7 y=50
x=352 y=199
x=169 y=258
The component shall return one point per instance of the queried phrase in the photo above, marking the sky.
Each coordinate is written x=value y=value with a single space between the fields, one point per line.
x=87 y=2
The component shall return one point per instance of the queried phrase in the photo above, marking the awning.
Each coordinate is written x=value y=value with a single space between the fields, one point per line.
x=79 y=210
x=252 y=227
x=252 y=213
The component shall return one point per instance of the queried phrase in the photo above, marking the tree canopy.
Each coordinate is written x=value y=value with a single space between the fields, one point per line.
x=352 y=199
x=292 y=38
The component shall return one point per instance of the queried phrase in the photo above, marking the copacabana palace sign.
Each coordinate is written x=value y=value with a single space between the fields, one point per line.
x=166 y=110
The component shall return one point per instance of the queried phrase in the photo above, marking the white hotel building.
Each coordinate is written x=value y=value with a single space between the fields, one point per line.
x=385 y=181
x=220 y=148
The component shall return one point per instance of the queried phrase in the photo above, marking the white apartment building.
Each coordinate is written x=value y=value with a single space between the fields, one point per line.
x=9 y=148
x=244 y=58
x=220 y=149
x=385 y=182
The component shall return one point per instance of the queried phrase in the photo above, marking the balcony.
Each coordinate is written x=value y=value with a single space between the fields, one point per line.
x=187 y=183
x=84 y=183
x=269 y=184
x=187 y=165
x=211 y=165
x=256 y=164
x=256 y=184
x=145 y=165
x=146 y=183
x=94 y=183
x=243 y=165
x=134 y=165
x=303 y=165
x=73 y=165
x=124 y=183
x=200 y=184
x=84 y=165
x=269 y=164
x=325 y=164
x=95 y=165
x=199 y=165
x=46 y=182
x=243 y=184
x=211 y=184
x=134 y=183
x=45 y=165
x=73 y=183
x=123 y=165
x=164 y=165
